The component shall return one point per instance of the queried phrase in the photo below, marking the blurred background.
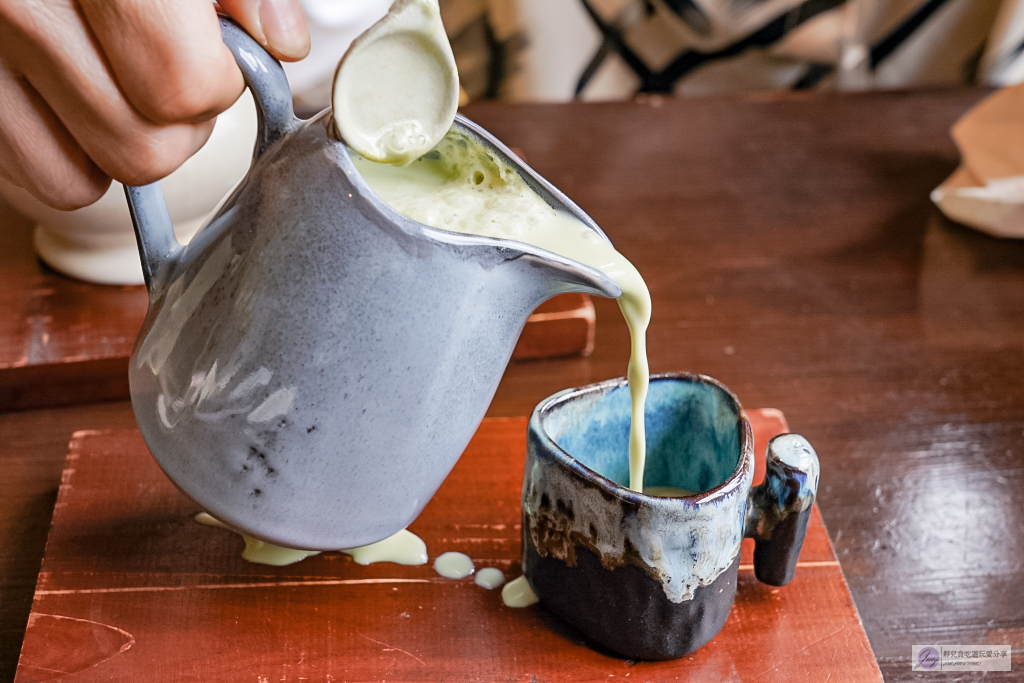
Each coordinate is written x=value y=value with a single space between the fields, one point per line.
x=601 y=50
x=558 y=50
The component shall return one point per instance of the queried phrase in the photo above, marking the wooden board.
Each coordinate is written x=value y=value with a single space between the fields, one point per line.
x=63 y=341
x=132 y=589
x=791 y=252
x=562 y=326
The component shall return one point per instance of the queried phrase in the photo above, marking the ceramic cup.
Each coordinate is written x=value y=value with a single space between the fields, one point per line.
x=653 y=577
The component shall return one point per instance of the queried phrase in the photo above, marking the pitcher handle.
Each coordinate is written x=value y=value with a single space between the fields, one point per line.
x=158 y=247
x=778 y=510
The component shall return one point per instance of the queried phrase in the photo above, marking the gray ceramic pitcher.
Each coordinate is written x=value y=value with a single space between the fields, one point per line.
x=313 y=363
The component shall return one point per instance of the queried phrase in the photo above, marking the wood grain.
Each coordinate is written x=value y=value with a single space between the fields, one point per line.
x=562 y=326
x=64 y=342
x=61 y=341
x=792 y=252
x=33 y=445
x=132 y=589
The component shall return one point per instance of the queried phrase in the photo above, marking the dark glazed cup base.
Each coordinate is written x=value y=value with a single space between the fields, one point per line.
x=648 y=576
x=625 y=609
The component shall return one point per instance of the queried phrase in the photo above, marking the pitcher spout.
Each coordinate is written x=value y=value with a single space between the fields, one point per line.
x=565 y=272
x=566 y=275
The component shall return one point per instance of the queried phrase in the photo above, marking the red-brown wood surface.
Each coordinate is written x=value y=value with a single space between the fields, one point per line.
x=63 y=341
x=133 y=589
x=791 y=252
x=562 y=326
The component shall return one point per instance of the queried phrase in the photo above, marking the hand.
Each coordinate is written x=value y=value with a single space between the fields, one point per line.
x=127 y=89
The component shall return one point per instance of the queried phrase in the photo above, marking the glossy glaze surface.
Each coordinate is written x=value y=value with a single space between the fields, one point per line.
x=826 y=286
x=575 y=489
x=653 y=577
x=116 y=604
x=311 y=366
x=256 y=344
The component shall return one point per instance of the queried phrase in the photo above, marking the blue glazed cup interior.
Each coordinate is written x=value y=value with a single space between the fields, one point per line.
x=692 y=438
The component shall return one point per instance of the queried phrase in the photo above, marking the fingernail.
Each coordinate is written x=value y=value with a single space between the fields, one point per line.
x=285 y=27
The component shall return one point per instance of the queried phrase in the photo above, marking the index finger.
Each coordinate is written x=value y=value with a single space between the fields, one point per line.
x=167 y=56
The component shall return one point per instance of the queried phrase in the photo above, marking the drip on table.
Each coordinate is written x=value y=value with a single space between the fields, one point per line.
x=403 y=547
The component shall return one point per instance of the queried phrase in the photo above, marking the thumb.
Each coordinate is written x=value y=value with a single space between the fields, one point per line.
x=278 y=25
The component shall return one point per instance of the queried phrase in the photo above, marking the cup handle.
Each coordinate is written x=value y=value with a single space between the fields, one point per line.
x=778 y=510
x=265 y=77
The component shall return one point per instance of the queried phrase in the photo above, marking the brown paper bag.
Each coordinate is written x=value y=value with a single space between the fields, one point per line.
x=987 y=190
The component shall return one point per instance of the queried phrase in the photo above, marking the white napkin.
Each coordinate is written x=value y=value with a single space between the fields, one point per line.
x=987 y=191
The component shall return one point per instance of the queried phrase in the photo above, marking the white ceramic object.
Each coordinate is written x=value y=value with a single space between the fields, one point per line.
x=996 y=208
x=97 y=243
x=333 y=25
x=397 y=87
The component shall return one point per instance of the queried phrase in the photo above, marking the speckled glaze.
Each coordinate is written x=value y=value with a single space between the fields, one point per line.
x=313 y=363
x=650 y=577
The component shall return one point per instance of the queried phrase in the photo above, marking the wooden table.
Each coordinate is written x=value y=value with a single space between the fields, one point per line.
x=792 y=252
x=152 y=596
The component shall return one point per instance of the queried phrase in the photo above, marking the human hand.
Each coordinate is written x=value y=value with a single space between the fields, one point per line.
x=126 y=89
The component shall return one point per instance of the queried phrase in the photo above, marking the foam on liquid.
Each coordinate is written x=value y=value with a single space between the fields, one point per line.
x=463 y=187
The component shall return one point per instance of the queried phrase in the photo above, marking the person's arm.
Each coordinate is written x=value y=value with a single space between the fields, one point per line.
x=127 y=89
